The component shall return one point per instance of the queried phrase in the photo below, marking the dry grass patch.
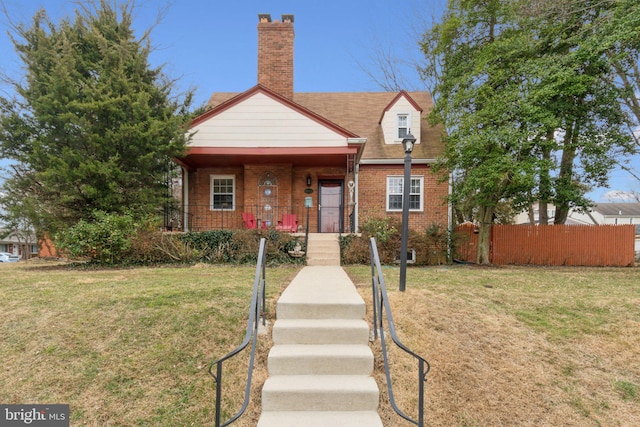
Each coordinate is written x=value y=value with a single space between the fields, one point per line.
x=508 y=346
x=517 y=346
x=126 y=347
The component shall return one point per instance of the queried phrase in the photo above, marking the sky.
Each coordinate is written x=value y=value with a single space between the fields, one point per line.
x=211 y=45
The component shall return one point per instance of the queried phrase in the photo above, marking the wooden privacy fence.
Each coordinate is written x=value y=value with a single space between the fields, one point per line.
x=585 y=245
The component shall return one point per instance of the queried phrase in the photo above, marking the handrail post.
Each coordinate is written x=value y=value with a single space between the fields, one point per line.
x=374 y=291
x=218 y=393
x=421 y=393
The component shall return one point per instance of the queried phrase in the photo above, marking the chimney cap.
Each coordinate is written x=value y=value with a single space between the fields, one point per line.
x=264 y=17
x=287 y=18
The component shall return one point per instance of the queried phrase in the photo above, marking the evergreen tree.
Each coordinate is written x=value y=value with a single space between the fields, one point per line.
x=92 y=126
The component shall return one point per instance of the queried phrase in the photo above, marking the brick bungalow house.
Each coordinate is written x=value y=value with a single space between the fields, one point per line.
x=259 y=156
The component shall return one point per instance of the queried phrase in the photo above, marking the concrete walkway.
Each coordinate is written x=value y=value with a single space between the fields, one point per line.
x=320 y=365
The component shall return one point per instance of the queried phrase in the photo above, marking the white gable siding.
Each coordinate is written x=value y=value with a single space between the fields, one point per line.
x=389 y=125
x=260 y=121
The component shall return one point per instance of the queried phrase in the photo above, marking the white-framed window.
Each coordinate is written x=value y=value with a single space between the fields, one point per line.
x=395 y=186
x=403 y=124
x=223 y=192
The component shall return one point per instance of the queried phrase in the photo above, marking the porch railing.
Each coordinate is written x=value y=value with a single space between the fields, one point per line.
x=256 y=312
x=195 y=217
x=381 y=308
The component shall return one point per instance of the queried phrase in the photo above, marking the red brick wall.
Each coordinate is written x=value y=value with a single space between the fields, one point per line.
x=291 y=195
x=275 y=56
x=292 y=182
x=200 y=214
x=372 y=194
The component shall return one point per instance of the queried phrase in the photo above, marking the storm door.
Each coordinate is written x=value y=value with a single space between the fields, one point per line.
x=330 y=206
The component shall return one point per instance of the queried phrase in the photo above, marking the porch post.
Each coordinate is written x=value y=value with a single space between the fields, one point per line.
x=185 y=199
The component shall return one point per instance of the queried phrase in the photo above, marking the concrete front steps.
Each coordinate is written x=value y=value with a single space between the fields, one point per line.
x=323 y=249
x=320 y=364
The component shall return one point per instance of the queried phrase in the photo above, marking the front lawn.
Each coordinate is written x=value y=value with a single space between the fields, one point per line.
x=124 y=347
x=508 y=346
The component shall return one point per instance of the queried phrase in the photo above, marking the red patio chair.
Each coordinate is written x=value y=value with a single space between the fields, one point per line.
x=249 y=220
x=289 y=223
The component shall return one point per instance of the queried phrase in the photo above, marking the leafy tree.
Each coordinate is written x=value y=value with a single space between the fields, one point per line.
x=526 y=103
x=478 y=99
x=571 y=77
x=92 y=127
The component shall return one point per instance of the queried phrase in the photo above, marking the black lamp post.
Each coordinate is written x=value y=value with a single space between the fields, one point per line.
x=407 y=143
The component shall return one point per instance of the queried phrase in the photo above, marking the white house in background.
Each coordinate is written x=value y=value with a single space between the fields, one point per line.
x=9 y=242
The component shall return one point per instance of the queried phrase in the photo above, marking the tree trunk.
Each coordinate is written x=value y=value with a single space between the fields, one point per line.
x=565 y=176
x=485 y=216
x=545 y=183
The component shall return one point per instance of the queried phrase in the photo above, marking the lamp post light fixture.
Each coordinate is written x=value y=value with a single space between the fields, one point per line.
x=407 y=142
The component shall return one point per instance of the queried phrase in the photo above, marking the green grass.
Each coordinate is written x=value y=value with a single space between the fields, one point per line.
x=123 y=347
x=508 y=346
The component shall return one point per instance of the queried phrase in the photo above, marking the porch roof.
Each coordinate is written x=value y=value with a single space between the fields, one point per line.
x=303 y=156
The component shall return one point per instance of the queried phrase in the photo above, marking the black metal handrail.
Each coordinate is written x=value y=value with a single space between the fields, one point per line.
x=256 y=311
x=380 y=303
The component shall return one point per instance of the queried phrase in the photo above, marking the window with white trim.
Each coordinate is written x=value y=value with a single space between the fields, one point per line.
x=395 y=190
x=403 y=123
x=223 y=192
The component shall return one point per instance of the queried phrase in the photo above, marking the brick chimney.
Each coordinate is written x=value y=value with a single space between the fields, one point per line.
x=275 y=54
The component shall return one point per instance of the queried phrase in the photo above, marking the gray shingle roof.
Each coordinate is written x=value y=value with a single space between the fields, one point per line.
x=618 y=209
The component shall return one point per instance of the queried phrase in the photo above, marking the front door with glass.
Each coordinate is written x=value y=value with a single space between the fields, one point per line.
x=330 y=206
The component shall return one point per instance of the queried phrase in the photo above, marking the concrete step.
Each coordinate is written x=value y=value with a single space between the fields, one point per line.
x=320 y=419
x=320 y=331
x=323 y=236
x=320 y=292
x=322 y=261
x=323 y=249
x=327 y=359
x=320 y=309
x=324 y=252
x=320 y=393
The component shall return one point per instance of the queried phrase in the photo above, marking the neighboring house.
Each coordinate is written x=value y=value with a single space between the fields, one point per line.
x=270 y=151
x=25 y=248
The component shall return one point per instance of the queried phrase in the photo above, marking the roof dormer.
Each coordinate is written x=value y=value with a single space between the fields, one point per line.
x=401 y=117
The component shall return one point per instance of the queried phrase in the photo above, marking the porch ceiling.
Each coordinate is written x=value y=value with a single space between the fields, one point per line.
x=307 y=158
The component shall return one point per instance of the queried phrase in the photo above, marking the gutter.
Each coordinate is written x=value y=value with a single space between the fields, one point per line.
x=396 y=161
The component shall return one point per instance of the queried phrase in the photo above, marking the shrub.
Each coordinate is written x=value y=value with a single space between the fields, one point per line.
x=383 y=229
x=156 y=247
x=435 y=245
x=211 y=246
x=106 y=239
x=354 y=250
x=431 y=246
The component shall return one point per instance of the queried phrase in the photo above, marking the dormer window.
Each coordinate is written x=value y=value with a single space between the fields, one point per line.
x=403 y=121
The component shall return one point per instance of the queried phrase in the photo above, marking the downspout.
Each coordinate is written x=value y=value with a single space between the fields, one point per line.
x=185 y=199
x=356 y=173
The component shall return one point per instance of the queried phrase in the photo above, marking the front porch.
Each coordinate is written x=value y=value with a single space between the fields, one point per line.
x=295 y=193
